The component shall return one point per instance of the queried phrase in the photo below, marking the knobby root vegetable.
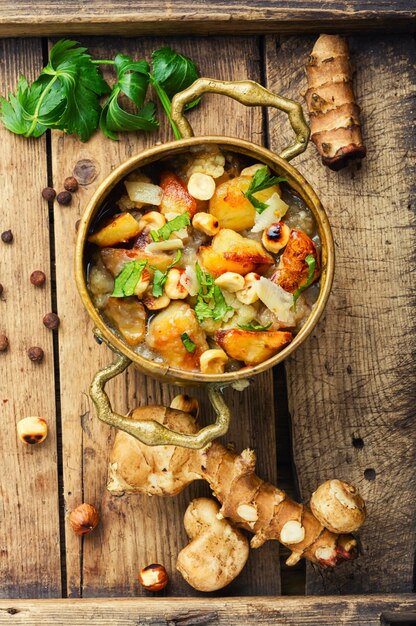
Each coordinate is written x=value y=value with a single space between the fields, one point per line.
x=334 y=113
x=247 y=500
x=217 y=552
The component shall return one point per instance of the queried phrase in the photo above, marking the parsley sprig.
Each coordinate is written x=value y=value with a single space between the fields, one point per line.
x=210 y=302
x=187 y=342
x=261 y=180
x=67 y=93
x=160 y=278
x=253 y=326
x=126 y=282
x=310 y=260
x=178 y=222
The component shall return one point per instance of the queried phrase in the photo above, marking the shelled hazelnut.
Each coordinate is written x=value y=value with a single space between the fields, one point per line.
x=64 y=197
x=35 y=354
x=32 y=430
x=49 y=194
x=153 y=577
x=71 y=183
x=84 y=519
x=37 y=278
x=51 y=321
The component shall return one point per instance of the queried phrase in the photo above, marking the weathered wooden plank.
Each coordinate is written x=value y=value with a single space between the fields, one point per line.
x=135 y=530
x=150 y=17
x=296 y=611
x=29 y=528
x=351 y=392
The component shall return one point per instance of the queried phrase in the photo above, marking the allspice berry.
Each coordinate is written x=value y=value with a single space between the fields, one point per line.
x=49 y=194
x=32 y=430
x=71 y=183
x=37 y=278
x=7 y=236
x=4 y=343
x=51 y=321
x=153 y=577
x=84 y=519
x=64 y=197
x=35 y=354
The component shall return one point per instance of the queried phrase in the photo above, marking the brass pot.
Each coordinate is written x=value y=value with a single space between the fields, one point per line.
x=250 y=94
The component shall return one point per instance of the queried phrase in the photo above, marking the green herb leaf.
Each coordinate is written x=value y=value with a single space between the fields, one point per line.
x=160 y=278
x=126 y=282
x=210 y=302
x=310 y=260
x=132 y=81
x=252 y=326
x=261 y=180
x=187 y=342
x=167 y=229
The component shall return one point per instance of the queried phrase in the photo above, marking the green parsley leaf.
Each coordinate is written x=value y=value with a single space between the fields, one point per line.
x=167 y=229
x=261 y=180
x=252 y=326
x=210 y=302
x=160 y=278
x=126 y=282
x=310 y=260
x=132 y=81
x=187 y=342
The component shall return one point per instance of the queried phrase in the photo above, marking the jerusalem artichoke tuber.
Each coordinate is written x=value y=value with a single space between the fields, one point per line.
x=333 y=111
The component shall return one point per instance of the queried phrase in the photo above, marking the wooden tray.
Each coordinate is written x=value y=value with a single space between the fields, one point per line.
x=347 y=391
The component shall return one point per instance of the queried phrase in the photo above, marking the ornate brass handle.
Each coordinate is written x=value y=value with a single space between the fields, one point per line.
x=251 y=94
x=148 y=431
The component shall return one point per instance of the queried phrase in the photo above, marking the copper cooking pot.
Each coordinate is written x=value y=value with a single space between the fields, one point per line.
x=251 y=94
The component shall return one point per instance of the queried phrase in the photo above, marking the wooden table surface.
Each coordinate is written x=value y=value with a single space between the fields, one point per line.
x=342 y=406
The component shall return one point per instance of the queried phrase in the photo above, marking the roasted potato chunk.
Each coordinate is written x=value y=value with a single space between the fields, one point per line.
x=115 y=259
x=129 y=317
x=175 y=198
x=230 y=252
x=252 y=346
x=292 y=271
x=164 y=336
x=121 y=229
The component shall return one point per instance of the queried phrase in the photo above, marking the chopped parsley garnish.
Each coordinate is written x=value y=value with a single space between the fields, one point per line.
x=187 y=342
x=261 y=180
x=252 y=326
x=160 y=278
x=126 y=282
x=167 y=229
x=310 y=260
x=210 y=302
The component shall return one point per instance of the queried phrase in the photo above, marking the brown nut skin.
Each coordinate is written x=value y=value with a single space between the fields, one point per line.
x=49 y=194
x=37 y=278
x=32 y=430
x=51 y=321
x=4 y=343
x=153 y=577
x=64 y=198
x=71 y=183
x=84 y=519
x=338 y=506
x=35 y=354
x=7 y=236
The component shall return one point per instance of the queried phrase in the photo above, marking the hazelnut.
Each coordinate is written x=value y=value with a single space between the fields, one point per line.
x=71 y=183
x=84 y=519
x=7 y=236
x=35 y=354
x=32 y=430
x=51 y=321
x=37 y=278
x=154 y=577
x=4 y=343
x=64 y=197
x=49 y=194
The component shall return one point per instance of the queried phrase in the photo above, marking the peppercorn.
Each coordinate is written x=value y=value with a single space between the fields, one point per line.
x=35 y=354
x=71 y=183
x=7 y=236
x=37 y=278
x=64 y=197
x=4 y=343
x=51 y=321
x=49 y=194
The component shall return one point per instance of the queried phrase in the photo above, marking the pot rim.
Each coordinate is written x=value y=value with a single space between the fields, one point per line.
x=161 y=370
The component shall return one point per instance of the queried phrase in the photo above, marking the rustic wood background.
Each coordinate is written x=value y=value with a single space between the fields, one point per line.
x=348 y=392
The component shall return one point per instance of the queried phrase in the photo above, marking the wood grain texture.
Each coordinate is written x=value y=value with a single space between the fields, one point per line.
x=135 y=530
x=29 y=528
x=351 y=385
x=261 y=611
x=151 y=17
